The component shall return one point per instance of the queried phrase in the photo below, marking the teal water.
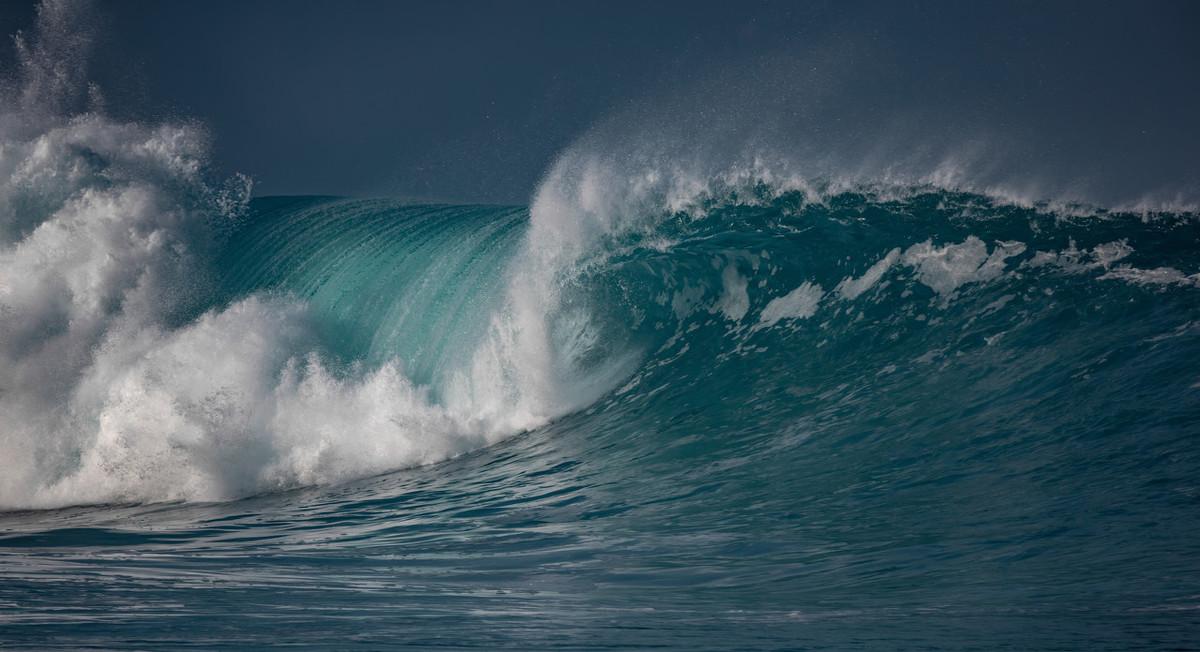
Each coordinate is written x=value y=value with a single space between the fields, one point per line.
x=933 y=420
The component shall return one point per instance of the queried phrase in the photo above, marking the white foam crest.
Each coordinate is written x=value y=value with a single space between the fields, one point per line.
x=798 y=125
x=599 y=190
x=1168 y=201
x=110 y=389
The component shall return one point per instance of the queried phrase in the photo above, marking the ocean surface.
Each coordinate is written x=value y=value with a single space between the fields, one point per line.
x=684 y=399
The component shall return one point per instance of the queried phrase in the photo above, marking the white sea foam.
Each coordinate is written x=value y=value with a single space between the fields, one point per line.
x=945 y=269
x=1106 y=258
x=1074 y=260
x=1157 y=276
x=734 y=302
x=110 y=391
x=851 y=288
x=800 y=303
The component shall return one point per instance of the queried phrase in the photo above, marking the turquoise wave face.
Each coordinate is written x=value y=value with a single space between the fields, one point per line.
x=929 y=420
x=382 y=279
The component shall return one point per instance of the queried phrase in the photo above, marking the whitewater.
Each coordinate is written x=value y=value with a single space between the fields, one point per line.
x=682 y=399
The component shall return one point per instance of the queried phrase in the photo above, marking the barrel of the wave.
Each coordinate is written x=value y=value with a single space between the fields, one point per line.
x=384 y=279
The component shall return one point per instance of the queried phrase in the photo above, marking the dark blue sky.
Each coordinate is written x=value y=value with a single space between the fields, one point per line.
x=472 y=100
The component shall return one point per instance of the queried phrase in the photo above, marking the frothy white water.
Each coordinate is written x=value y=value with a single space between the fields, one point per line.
x=800 y=303
x=113 y=390
x=226 y=406
x=102 y=240
x=106 y=397
x=851 y=288
x=944 y=269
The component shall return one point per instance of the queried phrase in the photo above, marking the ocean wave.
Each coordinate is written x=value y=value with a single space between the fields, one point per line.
x=164 y=338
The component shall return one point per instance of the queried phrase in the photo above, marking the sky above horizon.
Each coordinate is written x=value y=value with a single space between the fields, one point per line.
x=472 y=101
